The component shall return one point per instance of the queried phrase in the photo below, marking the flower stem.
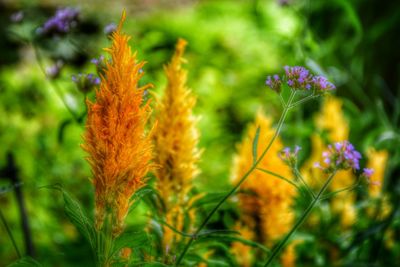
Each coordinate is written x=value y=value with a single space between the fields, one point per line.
x=304 y=216
x=244 y=177
x=3 y=220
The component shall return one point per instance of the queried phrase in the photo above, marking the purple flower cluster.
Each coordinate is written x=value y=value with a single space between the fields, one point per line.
x=100 y=63
x=340 y=156
x=85 y=82
x=289 y=157
x=274 y=83
x=299 y=78
x=322 y=84
x=61 y=22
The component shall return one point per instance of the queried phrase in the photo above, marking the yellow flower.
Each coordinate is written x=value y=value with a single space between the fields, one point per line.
x=242 y=252
x=377 y=161
x=267 y=201
x=115 y=139
x=176 y=139
x=331 y=120
x=288 y=257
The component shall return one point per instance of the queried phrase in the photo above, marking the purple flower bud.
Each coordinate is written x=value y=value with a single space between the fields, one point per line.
x=274 y=83
x=110 y=28
x=368 y=172
x=54 y=71
x=85 y=82
x=61 y=23
x=17 y=17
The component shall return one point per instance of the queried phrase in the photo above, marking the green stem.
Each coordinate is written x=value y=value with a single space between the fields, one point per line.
x=244 y=177
x=281 y=177
x=303 y=100
x=304 y=216
x=56 y=88
x=3 y=220
x=298 y=175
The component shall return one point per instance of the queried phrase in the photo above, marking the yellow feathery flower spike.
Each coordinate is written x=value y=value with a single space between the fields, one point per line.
x=267 y=201
x=115 y=139
x=176 y=139
x=377 y=161
x=332 y=120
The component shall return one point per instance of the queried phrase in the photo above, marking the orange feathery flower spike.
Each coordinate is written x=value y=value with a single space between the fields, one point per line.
x=176 y=139
x=115 y=139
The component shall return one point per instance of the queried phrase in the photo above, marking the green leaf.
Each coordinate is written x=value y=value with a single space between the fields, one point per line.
x=232 y=238
x=210 y=198
x=78 y=217
x=255 y=145
x=218 y=231
x=139 y=196
x=25 y=261
x=132 y=239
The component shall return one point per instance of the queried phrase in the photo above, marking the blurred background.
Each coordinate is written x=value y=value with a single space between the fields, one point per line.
x=233 y=46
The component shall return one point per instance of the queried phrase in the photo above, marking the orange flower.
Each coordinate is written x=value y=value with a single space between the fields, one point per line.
x=115 y=139
x=176 y=139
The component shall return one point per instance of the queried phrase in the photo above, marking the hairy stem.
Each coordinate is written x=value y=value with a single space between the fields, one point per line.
x=244 y=177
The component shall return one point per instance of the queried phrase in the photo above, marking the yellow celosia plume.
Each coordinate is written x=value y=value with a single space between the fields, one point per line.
x=377 y=161
x=266 y=202
x=119 y=149
x=176 y=139
x=331 y=120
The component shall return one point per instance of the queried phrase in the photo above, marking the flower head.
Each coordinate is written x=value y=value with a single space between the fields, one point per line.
x=267 y=205
x=118 y=145
x=54 y=70
x=274 y=83
x=289 y=157
x=110 y=28
x=300 y=78
x=176 y=142
x=61 y=23
x=85 y=82
x=321 y=84
x=17 y=17
x=340 y=156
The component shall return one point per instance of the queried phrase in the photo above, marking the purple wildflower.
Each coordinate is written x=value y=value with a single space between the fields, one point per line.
x=340 y=156
x=368 y=172
x=100 y=64
x=17 y=17
x=61 y=23
x=85 y=82
x=290 y=158
x=110 y=28
x=322 y=84
x=274 y=83
x=54 y=70
x=298 y=77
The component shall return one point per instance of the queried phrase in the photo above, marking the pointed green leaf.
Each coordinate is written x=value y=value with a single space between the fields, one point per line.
x=25 y=261
x=78 y=217
x=132 y=239
x=255 y=145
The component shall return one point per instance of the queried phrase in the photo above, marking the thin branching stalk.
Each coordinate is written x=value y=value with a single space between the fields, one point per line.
x=281 y=177
x=245 y=176
x=300 y=177
x=306 y=213
x=55 y=86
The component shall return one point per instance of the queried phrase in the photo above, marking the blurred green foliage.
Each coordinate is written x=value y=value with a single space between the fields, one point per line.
x=233 y=45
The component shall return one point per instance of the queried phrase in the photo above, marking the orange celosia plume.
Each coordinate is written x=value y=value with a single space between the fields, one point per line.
x=115 y=139
x=176 y=139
